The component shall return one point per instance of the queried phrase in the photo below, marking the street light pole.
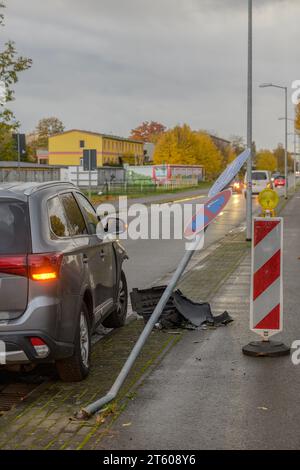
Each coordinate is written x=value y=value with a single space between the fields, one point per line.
x=267 y=85
x=295 y=142
x=286 y=146
x=295 y=156
x=249 y=125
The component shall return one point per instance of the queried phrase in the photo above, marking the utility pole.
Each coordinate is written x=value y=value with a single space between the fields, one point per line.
x=249 y=125
x=286 y=172
x=295 y=156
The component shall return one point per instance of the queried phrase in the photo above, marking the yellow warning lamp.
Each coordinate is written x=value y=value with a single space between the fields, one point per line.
x=268 y=200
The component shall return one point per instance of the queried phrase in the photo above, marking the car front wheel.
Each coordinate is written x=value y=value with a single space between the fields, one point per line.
x=77 y=367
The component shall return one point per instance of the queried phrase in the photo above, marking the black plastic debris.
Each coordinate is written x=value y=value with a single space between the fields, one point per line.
x=223 y=319
x=144 y=301
x=195 y=313
x=179 y=311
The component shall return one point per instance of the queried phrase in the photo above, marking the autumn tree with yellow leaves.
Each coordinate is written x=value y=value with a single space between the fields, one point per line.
x=229 y=154
x=266 y=160
x=183 y=146
x=209 y=156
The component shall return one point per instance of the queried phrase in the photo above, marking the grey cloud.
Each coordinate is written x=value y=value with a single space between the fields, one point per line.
x=108 y=64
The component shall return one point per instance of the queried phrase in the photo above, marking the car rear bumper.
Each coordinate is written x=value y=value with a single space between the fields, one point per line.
x=17 y=348
x=14 y=357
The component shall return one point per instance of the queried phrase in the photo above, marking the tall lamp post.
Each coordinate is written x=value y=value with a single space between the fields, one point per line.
x=295 y=143
x=249 y=126
x=267 y=85
x=295 y=156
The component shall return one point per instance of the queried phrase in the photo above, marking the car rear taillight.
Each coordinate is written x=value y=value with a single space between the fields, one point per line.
x=40 y=346
x=41 y=267
x=44 y=267
x=13 y=264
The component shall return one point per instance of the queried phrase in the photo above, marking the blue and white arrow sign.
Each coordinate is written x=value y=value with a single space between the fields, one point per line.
x=228 y=174
x=207 y=213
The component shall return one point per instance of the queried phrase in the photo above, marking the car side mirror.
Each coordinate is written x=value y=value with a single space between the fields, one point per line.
x=102 y=215
x=114 y=226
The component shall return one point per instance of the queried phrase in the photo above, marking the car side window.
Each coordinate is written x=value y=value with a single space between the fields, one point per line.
x=89 y=212
x=74 y=215
x=57 y=218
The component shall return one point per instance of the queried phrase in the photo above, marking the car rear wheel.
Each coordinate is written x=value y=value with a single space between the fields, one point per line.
x=118 y=317
x=76 y=367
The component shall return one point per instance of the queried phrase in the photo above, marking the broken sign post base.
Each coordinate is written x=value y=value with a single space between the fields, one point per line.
x=266 y=349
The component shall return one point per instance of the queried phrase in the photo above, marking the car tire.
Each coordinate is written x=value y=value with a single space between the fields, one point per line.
x=118 y=317
x=77 y=367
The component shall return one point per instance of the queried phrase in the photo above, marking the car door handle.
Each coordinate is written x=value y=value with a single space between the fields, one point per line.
x=85 y=259
x=102 y=254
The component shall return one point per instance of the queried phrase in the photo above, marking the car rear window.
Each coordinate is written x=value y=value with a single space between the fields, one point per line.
x=14 y=228
x=57 y=218
x=259 y=175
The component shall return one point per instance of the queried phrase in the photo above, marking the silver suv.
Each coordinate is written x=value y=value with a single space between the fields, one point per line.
x=58 y=280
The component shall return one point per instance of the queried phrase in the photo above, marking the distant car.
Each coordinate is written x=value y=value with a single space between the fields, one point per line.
x=237 y=186
x=58 y=279
x=261 y=179
x=279 y=181
x=275 y=175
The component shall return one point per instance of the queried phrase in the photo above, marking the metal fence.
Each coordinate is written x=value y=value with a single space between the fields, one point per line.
x=9 y=175
x=96 y=178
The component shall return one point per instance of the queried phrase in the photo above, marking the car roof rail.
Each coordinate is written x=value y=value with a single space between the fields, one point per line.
x=47 y=184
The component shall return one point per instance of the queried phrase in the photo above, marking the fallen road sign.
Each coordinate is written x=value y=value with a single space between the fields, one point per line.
x=212 y=208
x=266 y=316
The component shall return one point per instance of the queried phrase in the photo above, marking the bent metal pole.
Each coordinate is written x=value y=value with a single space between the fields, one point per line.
x=89 y=410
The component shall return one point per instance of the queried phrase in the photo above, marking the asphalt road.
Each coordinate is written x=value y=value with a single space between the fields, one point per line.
x=149 y=260
x=206 y=394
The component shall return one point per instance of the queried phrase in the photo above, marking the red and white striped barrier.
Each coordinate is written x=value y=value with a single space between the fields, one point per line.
x=266 y=283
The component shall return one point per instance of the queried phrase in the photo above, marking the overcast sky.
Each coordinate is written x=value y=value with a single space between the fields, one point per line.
x=107 y=65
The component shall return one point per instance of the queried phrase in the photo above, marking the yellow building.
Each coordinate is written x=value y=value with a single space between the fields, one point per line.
x=67 y=148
